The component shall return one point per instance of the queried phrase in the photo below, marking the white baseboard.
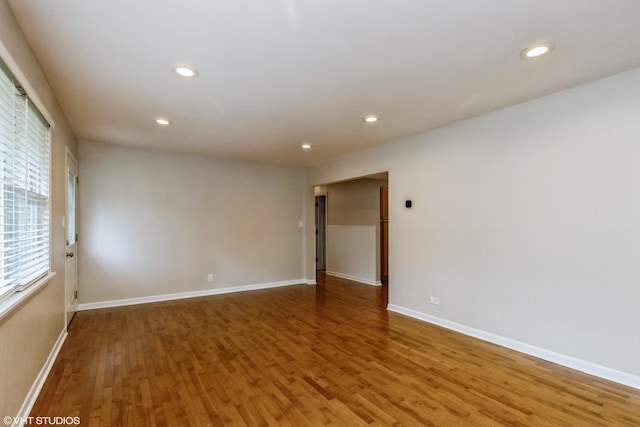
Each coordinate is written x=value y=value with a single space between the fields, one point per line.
x=31 y=397
x=310 y=282
x=354 y=278
x=182 y=295
x=560 y=359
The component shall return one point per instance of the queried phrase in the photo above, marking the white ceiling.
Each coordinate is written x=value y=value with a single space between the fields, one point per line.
x=274 y=74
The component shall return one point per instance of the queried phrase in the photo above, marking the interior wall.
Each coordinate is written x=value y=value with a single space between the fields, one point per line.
x=524 y=221
x=354 y=202
x=353 y=219
x=29 y=333
x=157 y=223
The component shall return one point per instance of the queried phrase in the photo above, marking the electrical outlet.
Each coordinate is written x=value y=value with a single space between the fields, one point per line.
x=210 y=278
x=435 y=300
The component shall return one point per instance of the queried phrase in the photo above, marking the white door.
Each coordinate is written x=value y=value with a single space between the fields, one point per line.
x=71 y=263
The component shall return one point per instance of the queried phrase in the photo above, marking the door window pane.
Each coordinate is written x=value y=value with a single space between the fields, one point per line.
x=71 y=226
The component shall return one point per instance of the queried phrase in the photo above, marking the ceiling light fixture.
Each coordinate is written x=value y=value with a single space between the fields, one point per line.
x=306 y=146
x=537 y=50
x=185 y=71
x=163 y=122
x=371 y=119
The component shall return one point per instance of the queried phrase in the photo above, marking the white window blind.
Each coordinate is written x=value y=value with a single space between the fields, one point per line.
x=24 y=189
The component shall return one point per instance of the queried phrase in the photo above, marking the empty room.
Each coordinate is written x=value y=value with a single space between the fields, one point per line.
x=305 y=212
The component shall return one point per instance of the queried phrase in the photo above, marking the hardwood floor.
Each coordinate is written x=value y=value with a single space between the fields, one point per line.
x=308 y=355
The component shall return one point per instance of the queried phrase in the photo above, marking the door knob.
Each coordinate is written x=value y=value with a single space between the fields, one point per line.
x=69 y=254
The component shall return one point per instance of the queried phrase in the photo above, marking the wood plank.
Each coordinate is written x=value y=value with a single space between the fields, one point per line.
x=303 y=355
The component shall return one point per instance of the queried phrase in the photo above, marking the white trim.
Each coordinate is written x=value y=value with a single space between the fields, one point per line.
x=309 y=282
x=15 y=300
x=351 y=226
x=354 y=278
x=69 y=153
x=34 y=392
x=67 y=167
x=24 y=82
x=183 y=295
x=560 y=359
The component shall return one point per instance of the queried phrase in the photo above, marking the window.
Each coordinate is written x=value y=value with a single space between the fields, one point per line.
x=24 y=188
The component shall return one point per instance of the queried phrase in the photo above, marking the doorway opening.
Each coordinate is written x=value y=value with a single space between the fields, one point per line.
x=352 y=229
x=384 y=234
x=321 y=235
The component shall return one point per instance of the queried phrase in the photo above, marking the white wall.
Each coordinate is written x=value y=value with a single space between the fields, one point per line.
x=525 y=221
x=155 y=223
x=351 y=252
x=29 y=334
x=355 y=202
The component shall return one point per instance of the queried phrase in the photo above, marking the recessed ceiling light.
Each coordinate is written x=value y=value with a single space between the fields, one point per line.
x=537 y=50
x=306 y=146
x=163 y=122
x=371 y=119
x=185 y=71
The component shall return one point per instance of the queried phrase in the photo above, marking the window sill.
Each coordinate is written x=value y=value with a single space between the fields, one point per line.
x=12 y=302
